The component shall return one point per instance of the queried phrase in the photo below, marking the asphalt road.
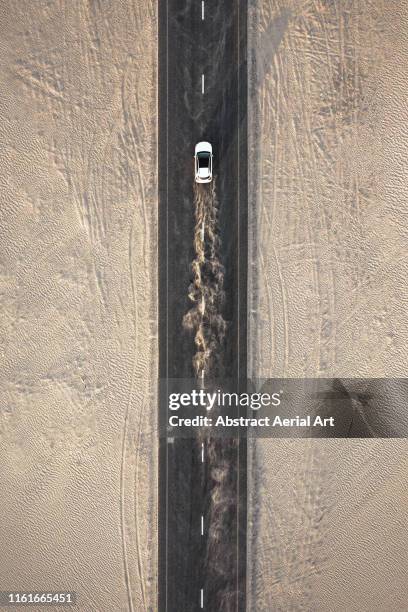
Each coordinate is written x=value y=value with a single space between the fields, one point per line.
x=202 y=96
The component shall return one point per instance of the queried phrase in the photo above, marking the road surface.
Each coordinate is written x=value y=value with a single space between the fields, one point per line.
x=202 y=96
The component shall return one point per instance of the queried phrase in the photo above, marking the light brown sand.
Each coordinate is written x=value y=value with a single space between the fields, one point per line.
x=328 y=526
x=328 y=277
x=78 y=249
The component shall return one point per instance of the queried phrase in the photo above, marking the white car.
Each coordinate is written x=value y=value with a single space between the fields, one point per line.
x=203 y=162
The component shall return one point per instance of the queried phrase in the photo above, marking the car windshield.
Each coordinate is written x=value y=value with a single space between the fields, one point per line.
x=203 y=160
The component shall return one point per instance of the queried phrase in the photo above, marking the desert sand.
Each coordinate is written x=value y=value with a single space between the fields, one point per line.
x=328 y=83
x=78 y=259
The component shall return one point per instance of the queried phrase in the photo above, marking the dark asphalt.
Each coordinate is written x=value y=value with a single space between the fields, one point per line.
x=188 y=48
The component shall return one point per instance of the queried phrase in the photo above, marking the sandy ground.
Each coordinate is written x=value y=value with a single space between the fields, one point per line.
x=78 y=323
x=327 y=291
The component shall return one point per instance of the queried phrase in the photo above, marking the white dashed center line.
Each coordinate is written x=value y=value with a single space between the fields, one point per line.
x=202 y=10
x=202 y=525
x=202 y=83
x=202 y=452
x=202 y=598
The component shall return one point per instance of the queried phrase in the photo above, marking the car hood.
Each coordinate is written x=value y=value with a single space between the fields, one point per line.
x=203 y=146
